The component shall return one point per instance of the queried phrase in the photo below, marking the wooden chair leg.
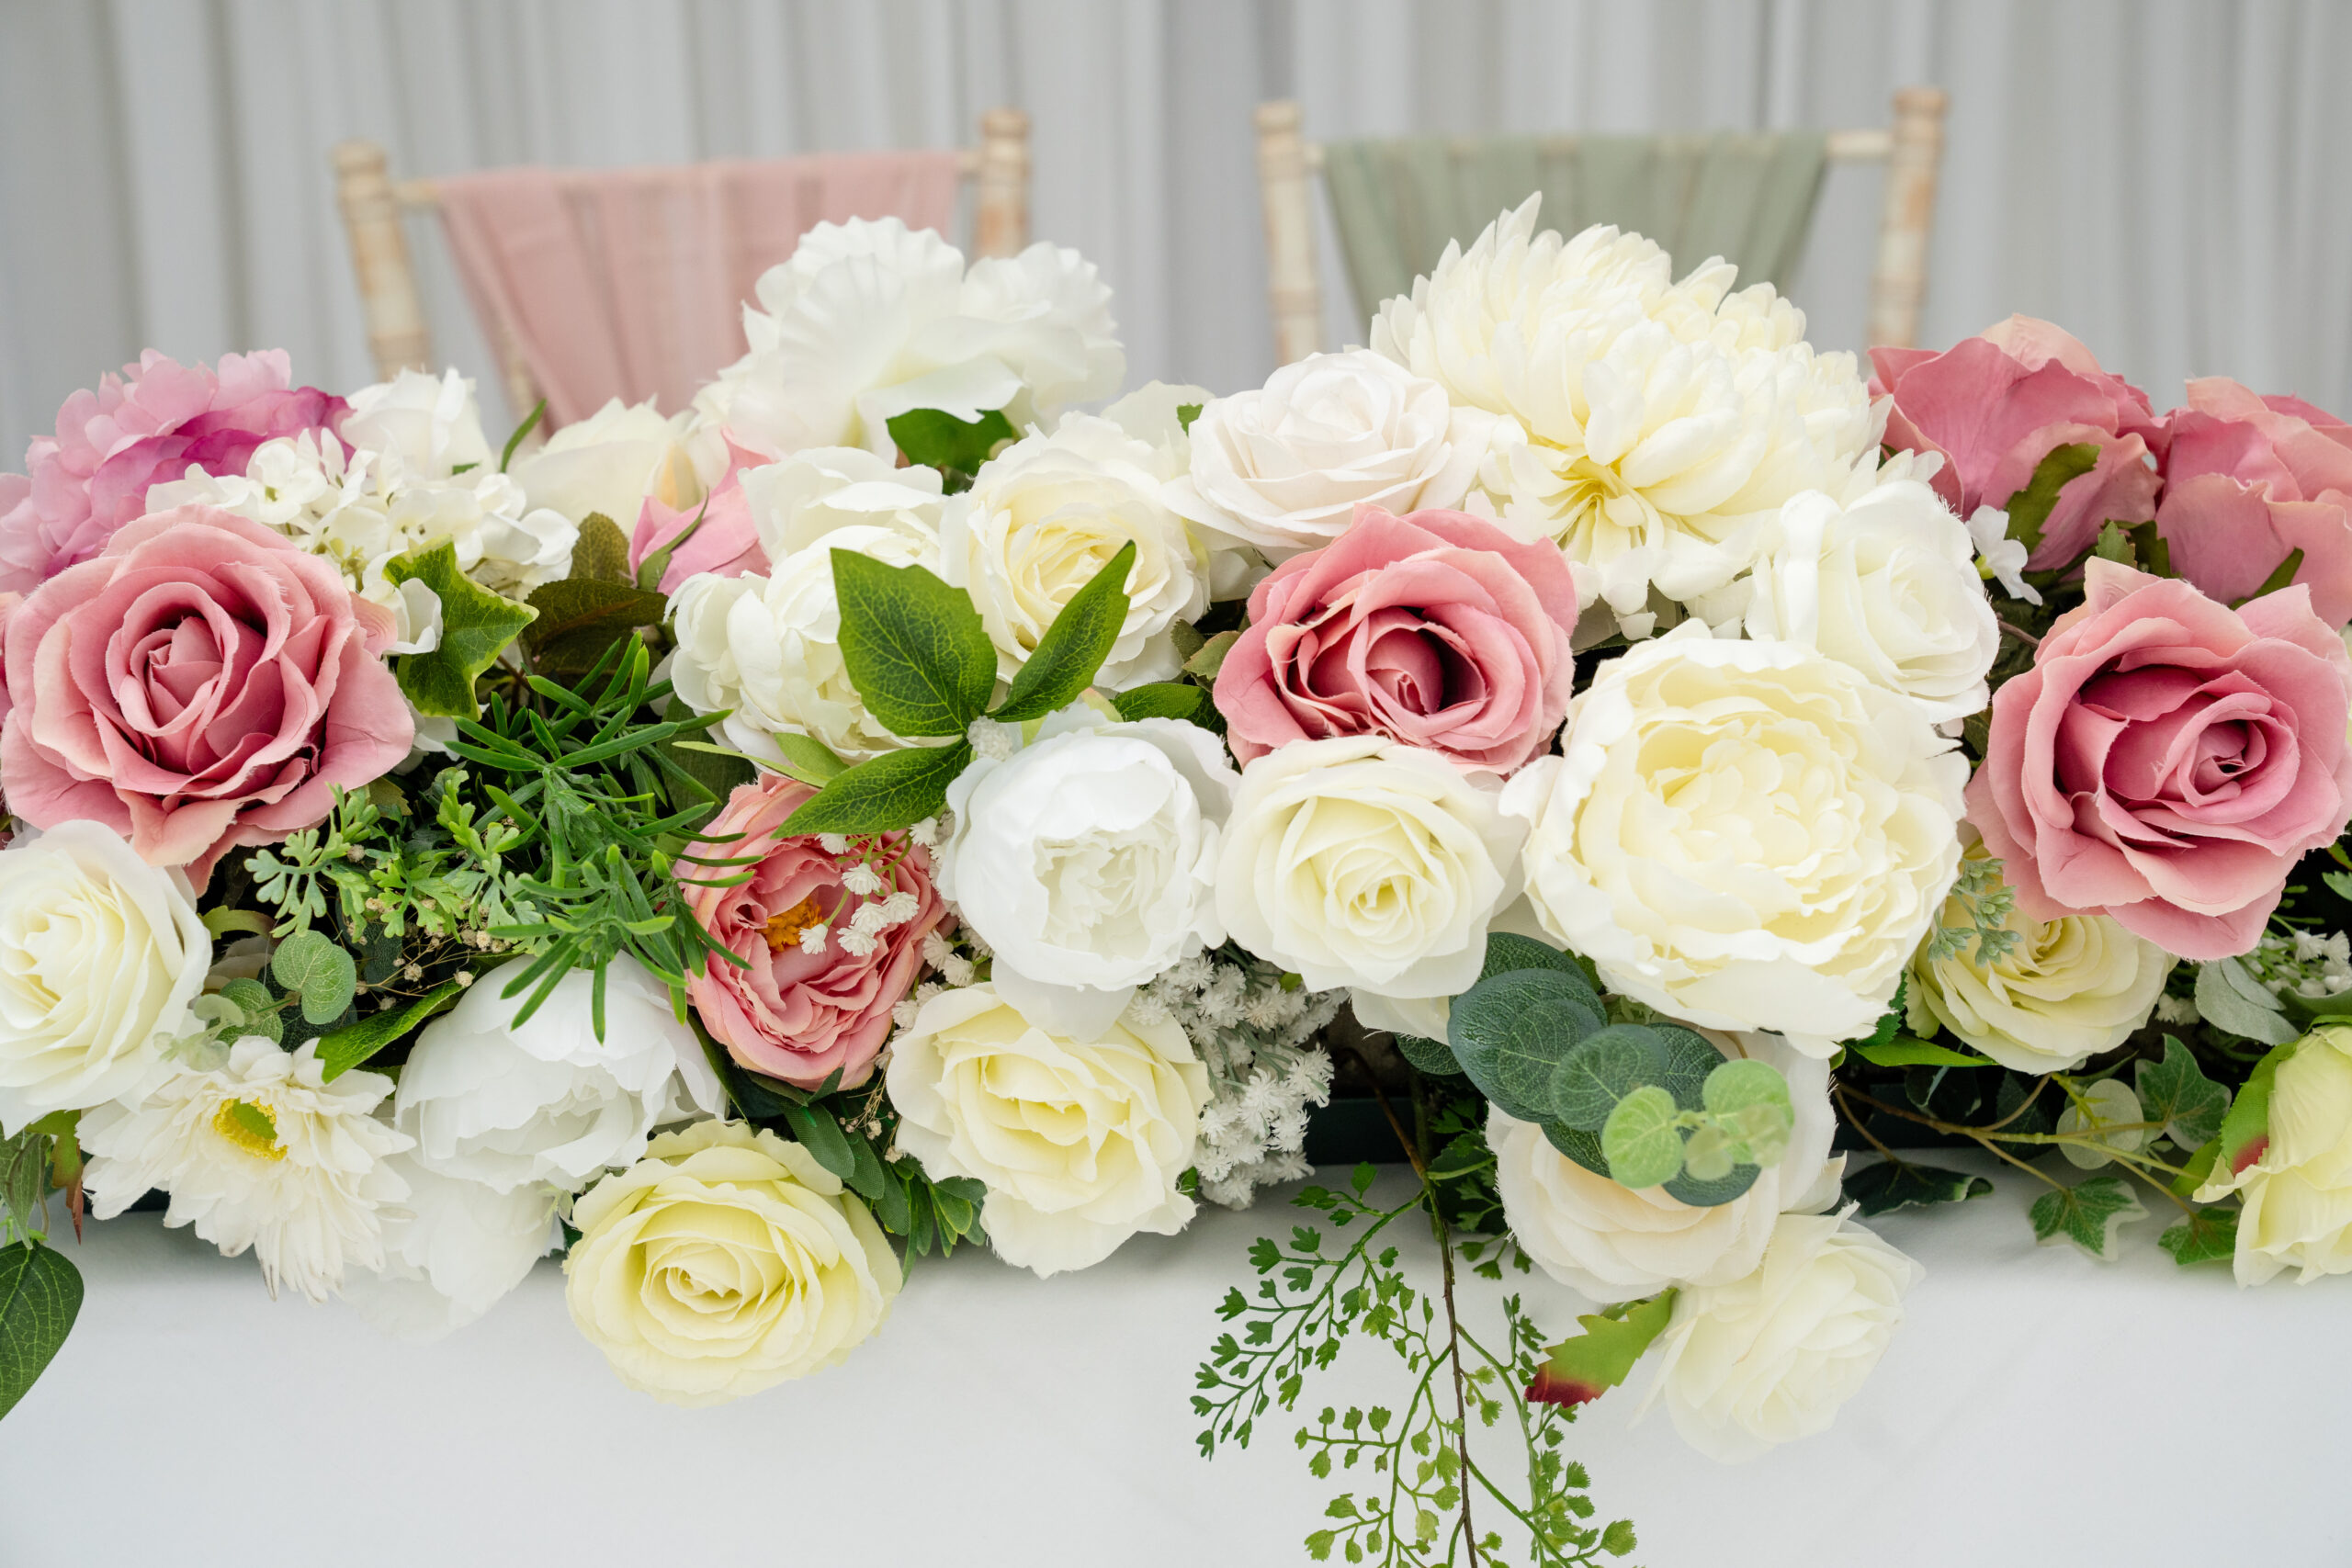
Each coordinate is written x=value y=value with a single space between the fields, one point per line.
x=1000 y=222
x=1907 y=219
x=1286 y=187
x=371 y=217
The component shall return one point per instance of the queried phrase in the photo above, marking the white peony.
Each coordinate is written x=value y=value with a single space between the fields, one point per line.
x=797 y=502
x=452 y=1250
x=1086 y=861
x=1079 y=1142
x=100 y=955
x=1048 y=512
x=548 y=1101
x=1744 y=835
x=1616 y=1243
x=1657 y=426
x=1284 y=467
x=767 y=650
x=1768 y=1358
x=260 y=1152
x=609 y=463
x=870 y=319
x=1358 y=862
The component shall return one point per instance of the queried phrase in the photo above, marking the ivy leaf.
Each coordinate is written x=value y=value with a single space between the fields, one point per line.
x=2244 y=1136
x=1889 y=1185
x=914 y=647
x=1641 y=1142
x=1903 y=1051
x=2176 y=1092
x=40 y=1295
x=2029 y=508
x=1511 y=1030
x=937 y=439
x=343 y=1049
x=476 y=626
x=1583 y=1367
x=2088 y=1213
x=1161 y=699
x=580 y=618
x=311 y=966
x=601 y=552
x=1073 y=649
x=2207 y=1236
x=895 y=790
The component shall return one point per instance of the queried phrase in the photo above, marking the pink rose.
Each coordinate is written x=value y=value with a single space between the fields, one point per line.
x=1438 y=629
x=201 y=685
x=2167 y=759
x=1995 y=405
x=794 y=1014
x=111 y=444
x=2250 y=480
x=728 y=542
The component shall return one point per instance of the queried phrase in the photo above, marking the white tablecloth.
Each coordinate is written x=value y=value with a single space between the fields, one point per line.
x=2036 y=1407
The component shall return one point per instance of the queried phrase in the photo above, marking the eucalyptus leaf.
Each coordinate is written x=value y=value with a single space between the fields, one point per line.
x=1641 y=1142
x=1510 y=1031
x=1708 y=1194
x=1434 y=1057
x=1601 y=1069
x=322 y=973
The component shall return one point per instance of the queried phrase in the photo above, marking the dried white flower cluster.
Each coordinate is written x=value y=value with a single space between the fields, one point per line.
x=867 y=878
x=2311 y=966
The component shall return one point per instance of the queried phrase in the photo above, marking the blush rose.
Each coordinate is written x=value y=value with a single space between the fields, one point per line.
x=2248 y=482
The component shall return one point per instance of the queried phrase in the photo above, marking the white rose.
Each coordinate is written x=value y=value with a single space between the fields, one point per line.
x=1744 y=835
x=724 y=1262
x=100 y=955
x=1616 y=1243
x=432 y=422
x=1079 y=1143
x=2296 y=1198
x=1048 y=514
x=1284 y=467
x=1087 y=861
x=1770 y=1357
x=767 y=650
x=796 y=504
x=609 y=463
x=1889 y=586
x=2066 y=990
x=452 y=1250
x=549 y=1102
x=1358 y=862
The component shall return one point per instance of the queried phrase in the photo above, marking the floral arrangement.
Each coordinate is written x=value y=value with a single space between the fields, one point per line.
x=885 y=807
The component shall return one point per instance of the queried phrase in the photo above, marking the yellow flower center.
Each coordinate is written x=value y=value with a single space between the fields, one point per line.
x=785 y=930
x=250 y=1127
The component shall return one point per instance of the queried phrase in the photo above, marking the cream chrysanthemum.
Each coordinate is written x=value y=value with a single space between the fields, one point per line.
x=259 y=1152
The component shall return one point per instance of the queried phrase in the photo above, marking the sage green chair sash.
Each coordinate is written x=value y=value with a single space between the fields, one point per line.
x=1747 y=198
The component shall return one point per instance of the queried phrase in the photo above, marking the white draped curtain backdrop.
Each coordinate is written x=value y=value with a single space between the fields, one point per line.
x=2161 y=176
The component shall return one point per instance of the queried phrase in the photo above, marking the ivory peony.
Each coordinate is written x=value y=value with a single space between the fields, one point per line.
x=2296 y=1195
x=453 y=1249
x=1079 y=1142
x=801 y=502
x=608 y=464
x=1744 y=835
x=724 y=1262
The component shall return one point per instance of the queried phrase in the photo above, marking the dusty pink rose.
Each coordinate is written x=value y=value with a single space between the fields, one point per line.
x=793 y=1014
x=201 y=685
x=150 y=425
x=1995 y=405
x=727 y=542
x=1437 y=629
x=2248 y=480
x=2167 y=759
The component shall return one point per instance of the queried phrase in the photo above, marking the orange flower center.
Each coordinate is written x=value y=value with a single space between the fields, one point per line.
x=786 y=929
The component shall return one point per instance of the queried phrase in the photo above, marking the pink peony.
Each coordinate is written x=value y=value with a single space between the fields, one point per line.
x=1437 y=629
x=201 y=685
x=793 y=1014
x=2167 y=759
x=1995 y=405
x=727 y=543
x=111 y=444
x=2249 y=479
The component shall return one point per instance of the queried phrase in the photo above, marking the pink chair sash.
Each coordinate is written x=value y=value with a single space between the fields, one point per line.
x=629 y=283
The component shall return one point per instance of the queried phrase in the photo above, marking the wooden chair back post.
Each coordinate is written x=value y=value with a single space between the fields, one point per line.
x=1907 y=217
x=1001 y=209
x=388 y=299
x=1286 y=187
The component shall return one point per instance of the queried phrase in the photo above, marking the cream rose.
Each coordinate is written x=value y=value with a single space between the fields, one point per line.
x=1360 y=862
x=724 y=1262
x=100 y=955
x=2068 y=989
x=1284 y=467
x=609 y=463
x=1744 y=835
x=2296 y=1198
x=1079 y=1143
x=1770 y=1357
x=1616 y=1243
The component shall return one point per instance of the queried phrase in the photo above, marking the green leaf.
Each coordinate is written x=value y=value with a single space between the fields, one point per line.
x=249 y=997
x=344 y=1049
x=1203 y=665
x=2113 y=544
x=656 y=565
x=915 y=647
x=2176 y=1092
x=814 y=1127
x=1511 y=1030
x=1601 y=1069
x=322 y=973
x=2244 y=1136
x=40 y=1295
x=476 y=626
x=2088 y=1213
x=1708 y=1194
x=253 y=1122
x=530 y=422
x=2229 y=998
x=1434 y=1057
x=1161 y=699
x=1072 y=651
x=2280 y=576
x=1618 y=1539
x=1186 y=413
x=714 y=768
x=895 y=790
x=1889 y=1185
x=1750 y=1100
x=601 y=553
x=1905 y=1052
x=221 y=922
x=2196 y=1169
x=2029 y=508
x=1580 y=1368
x=937 y=439
x=1641 y=1142
x=2207 y=1236
x=580 y=618
x=807 y=758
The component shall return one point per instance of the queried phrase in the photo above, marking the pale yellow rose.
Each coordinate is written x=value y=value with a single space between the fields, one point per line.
x=2296 y=1197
